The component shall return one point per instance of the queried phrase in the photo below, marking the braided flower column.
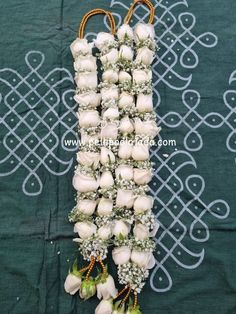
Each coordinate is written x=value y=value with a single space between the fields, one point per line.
x=108 y=56
x=134 y=244
x=93 y=238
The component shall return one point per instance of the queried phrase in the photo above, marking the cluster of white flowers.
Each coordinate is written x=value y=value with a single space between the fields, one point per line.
x=133 y=274
x=113 y=207
x=133 y=246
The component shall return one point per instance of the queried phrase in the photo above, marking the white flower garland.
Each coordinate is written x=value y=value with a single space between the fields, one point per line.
x=133 y=244
x=117 y=127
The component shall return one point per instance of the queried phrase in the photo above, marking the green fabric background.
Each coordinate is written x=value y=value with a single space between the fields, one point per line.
x=36 y=246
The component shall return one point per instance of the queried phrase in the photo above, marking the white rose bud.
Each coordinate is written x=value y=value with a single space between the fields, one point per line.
x=143 y=203
x=126 y=53
x=125 y=150
x=89 y=139
x=141 y=232
x=85 y=63
x=143 y=259
x=111 y=57
x=109 y=131
x=126 y=126
x=140 y=152
x=125 y=31
x=90 y=159
x=148 y=127
x=86 y=79
x=144 y=31
x=111 y=113
x=72 y=284
x=145 y=56
x=87 y=207
x=142 y=176
x=105 y=207
x=105 y=232
x=88 y=118
x=121 y=228
x=141 y=76
x=126 y=100
x=104 y=307
x=111 y=93
x=81 y=46
x=103 y=39
x=90 y=98
x=85 y=229
x=125 y=198
x=110 y=76
x=106 y=156
x=107 y=289
x=121 y=255
x=106 y=180
x=124 y=77
x=85 y=183
x=144 y=103
x=126 y=172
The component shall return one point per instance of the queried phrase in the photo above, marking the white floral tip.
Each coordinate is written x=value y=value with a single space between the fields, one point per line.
x=106 y=288
x=125 y=32
x=104 y=307
x=72 y=284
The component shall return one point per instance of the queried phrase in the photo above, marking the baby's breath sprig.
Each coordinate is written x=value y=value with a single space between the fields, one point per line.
x=125 y=86
x=125 y=65
x=122 y=241
x=92 y=130
x=106 y=84
x=146 y=245
x=123 y=137
x=126 y=40
x=87 y=195
x=125 y=214
x=85 y=107
x=133 y=275
x=146 y=164
x=76 y=216
x=141 y=66
x=107 y=47
x=90 y=147
x=108 y=167
x=129 y=110
x=109 y=66
x=141 y=189
x=104 y=220
x=124 y=184
x=129 y=162
x=146 y=116
x=113 y=146
x=142 y=88
x=149 y=43
x=109 y=192
x=147 y=218
x=86 y=170
x=93 y=247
